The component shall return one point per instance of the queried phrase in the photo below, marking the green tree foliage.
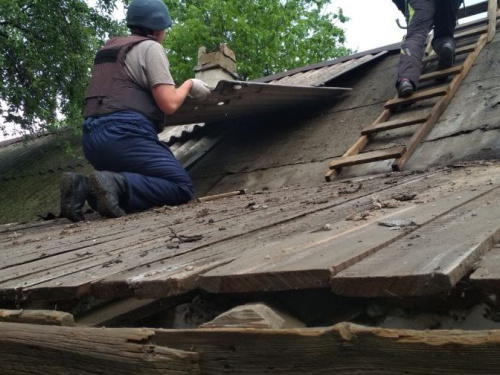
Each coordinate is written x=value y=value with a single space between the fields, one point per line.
x=267 y=36
x=46 y=52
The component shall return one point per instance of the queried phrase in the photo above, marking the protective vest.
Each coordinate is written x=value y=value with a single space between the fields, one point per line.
x=112 y=90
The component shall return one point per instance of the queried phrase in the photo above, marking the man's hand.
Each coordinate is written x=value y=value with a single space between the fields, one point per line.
x=200 y=90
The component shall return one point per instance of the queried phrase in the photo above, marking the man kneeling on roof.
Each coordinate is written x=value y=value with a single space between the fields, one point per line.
x=130 y=92
x=421 y=16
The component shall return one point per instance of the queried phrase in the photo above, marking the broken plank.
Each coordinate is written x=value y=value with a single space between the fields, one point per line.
x=417 y=96
x=344 y=349
x=367 y=157
x=487 y=275
x=41 y=350
x=432 y=259
x=394 y=124
x=309 y=260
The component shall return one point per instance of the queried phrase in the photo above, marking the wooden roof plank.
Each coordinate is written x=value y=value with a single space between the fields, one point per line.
x=431 y=260
x=310 y=260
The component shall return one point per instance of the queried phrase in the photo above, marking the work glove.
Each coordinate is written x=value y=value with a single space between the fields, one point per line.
x=200 y=90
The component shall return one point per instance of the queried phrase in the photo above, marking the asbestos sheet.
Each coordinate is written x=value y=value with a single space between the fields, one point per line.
x=237 y=99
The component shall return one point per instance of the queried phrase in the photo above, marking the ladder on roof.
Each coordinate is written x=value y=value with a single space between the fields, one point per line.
x=425 y=121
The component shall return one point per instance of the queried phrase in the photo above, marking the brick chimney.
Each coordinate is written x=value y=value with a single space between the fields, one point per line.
x=216 y=66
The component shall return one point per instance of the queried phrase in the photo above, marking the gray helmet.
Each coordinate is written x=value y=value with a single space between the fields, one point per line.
x=149 y=14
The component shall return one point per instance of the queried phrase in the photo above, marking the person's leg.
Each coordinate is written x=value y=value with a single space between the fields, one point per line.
x=128 y=144
x=421 y=18
x=445 y=20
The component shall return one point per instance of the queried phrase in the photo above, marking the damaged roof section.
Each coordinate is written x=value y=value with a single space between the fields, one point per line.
x=318 y=75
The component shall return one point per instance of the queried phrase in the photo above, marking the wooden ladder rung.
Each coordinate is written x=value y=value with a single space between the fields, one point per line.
x=459 y=51
x=394 y=124
x=472 y=32
x=417 y=96
x=457 y=69
x=367 y=157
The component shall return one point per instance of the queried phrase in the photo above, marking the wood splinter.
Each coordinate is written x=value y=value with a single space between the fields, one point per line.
x=223 y=195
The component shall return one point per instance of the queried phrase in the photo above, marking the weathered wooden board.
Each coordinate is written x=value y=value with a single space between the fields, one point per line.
x=164 y=279
x=42 y=350
x=432 y=259
x=310 y=260
x=344 y=349
x=487 y=275
x=43 y=317
x=70 y=270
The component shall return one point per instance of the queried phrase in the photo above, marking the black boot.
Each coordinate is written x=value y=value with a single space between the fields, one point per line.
x=446 y=55
x=74 y=191
x=108 y=190
x=405 y=88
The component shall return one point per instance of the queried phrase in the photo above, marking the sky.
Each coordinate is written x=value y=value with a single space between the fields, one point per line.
x=372 y=23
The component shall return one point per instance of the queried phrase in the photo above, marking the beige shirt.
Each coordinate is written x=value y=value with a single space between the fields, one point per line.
x=147 y=64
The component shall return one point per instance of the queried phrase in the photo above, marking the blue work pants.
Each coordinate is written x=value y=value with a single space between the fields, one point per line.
x=127 y=142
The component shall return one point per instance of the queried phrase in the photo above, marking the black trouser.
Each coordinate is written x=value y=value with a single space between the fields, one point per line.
x=423 y=14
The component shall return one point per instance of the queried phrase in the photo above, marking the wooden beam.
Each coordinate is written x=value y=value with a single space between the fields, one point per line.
x=394 y=124
x=439 y=107
x=492 y=18
x=42 y=350
x=343 y=349
x=367 y=157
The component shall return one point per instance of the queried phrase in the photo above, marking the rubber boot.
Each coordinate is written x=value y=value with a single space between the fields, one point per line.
x=405 y=88
x=108 y=189
x=74 y=192
x=446 y=56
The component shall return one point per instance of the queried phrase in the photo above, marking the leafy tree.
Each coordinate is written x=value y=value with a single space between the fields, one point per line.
x=267 y=36
x=46 y=52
